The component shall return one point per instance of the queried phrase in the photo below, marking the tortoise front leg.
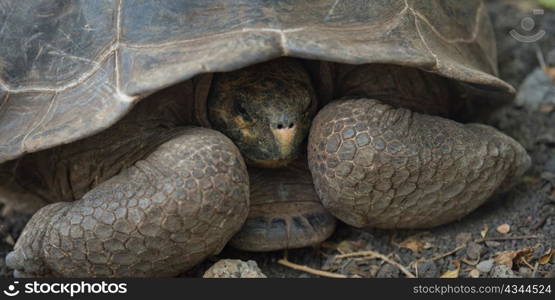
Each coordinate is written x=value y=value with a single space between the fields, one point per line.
x=159 y=217
x=376 y=165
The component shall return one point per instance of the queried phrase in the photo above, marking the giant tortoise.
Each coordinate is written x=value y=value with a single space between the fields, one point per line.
x=136 y=121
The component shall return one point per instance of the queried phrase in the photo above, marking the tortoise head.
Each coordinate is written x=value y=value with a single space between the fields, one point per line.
x=266 y=109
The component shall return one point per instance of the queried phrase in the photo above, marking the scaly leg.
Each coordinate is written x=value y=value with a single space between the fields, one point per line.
x=159 y=217
x=376 y=165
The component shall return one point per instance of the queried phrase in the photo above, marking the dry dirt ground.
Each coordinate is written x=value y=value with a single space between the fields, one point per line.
x=510 y=236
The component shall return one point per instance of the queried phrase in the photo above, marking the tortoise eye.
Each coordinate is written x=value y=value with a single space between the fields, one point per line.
x=242 y=111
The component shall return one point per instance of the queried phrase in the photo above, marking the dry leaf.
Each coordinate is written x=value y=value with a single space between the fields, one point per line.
x=471 y=263
x=546 y=108
x=452 y=273
x=509 y=258
x=504 y=228
x=546 y=257
x=348 y=247
x=484 y=231
x=531 y=180
x=474 y=273
x=414 y=245
x=550 y=71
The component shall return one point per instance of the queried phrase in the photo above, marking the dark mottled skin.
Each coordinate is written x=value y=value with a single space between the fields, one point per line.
x=248 y=104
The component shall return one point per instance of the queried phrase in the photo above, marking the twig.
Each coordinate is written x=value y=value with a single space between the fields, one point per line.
x=500 y=238
x=535 y=270
x=380 y=256
x=505 y=238
x=440 y=256
x=310 y=270
x=540 y=57
x=447 y=253
x=526 y=263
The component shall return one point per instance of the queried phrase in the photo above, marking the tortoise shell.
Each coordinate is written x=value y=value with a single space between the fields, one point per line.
x=69 y=69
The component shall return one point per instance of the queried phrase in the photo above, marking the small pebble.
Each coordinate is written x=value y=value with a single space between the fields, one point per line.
x=9 y=240
x=474 y=250
x=474 y=273
x=550 y=165
x=525 y=272
x=536 y=90
x=548 y=176
x=485 y=266
x=503 y=228
x=502 y=271
x=234 y=268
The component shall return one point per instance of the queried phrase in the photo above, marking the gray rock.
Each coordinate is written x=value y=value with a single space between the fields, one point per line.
x=234 y=268
x=525 y=272
x=474 y=250
x=548 y=176
x=550 y=165
x=502 y=271
x=536 y=90
x=485 y=266
x=551 y=58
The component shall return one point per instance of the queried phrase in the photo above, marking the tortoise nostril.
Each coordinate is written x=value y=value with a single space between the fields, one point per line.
x=283 y=126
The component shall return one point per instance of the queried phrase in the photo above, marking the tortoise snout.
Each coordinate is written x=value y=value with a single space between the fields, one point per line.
x=283 y=121
x=284 y=126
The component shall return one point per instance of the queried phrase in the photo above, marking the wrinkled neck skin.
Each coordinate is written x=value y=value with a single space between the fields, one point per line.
x=398 y=86
x=265 y=109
